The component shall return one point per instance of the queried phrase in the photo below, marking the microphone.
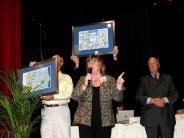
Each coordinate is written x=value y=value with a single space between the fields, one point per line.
x=89 y=70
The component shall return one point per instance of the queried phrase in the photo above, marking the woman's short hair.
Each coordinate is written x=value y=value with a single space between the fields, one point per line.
x=99 y=59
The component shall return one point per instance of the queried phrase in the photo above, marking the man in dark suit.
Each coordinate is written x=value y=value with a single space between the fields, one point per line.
x=157 y=93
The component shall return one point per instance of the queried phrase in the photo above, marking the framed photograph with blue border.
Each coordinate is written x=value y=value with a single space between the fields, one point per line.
x=41 y=78
x=94 y=39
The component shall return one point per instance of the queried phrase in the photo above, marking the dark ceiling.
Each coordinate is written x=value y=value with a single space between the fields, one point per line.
x=46 y=25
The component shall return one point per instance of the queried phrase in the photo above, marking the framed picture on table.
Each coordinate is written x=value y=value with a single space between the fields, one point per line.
x=93 y=39
x=42 y=78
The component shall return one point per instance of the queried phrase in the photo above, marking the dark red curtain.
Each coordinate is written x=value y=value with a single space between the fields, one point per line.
x=9 y=36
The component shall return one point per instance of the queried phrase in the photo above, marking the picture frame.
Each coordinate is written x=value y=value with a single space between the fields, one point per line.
x=42 y=77
x=93 y=39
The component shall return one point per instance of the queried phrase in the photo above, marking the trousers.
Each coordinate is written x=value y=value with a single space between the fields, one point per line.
x=56 y=122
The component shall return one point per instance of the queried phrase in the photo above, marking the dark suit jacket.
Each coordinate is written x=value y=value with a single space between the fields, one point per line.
x=151 y=114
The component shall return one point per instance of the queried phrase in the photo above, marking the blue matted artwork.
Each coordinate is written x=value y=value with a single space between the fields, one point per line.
x=97 y=38
x=41 y=78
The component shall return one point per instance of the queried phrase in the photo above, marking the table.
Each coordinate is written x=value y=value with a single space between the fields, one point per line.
x=135 y=130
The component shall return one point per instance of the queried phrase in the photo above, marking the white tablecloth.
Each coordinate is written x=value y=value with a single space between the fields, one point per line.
x=135 y=130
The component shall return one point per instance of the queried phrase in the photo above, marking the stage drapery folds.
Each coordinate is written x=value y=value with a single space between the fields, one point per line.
x=10 y=15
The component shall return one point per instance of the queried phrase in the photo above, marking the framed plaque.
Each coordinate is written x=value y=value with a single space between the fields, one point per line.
x=97 y=38
x=41 y=78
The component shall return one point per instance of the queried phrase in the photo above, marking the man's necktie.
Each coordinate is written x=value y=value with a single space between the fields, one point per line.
x=155 y=79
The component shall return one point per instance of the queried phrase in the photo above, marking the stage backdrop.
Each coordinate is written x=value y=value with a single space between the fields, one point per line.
x=9 y=36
